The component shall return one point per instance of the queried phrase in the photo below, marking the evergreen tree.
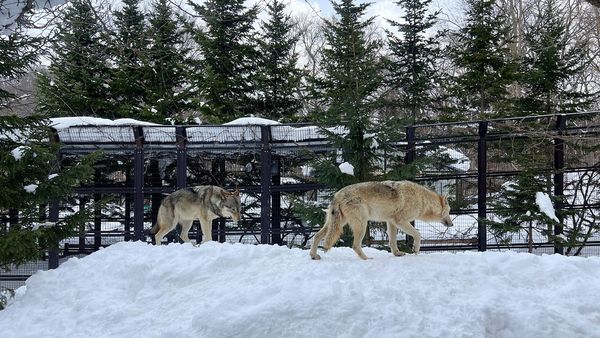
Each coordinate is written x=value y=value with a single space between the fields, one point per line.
x=228 y=58
x=168 y=91
x=278 y=79
x=79 y=78
x=32 y=177
x=129 y=48
x=349 y=85
x=412 y=65
x=519 y=212
x=480 y=50
x=19 y=51
x=549 y=64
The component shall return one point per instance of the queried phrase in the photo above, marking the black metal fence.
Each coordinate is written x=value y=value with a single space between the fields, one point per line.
x=271 y=164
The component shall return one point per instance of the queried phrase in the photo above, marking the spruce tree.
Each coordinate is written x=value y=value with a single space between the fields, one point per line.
x=350 y=83
x=169 y=92
x=228 y=58
x=413 y=57
x=19 y=51
x=128 y=48
x=278 y=78
x=480 y=50
x=79 y=79
x=32 y=177
x=519 y=213
x=550 y=62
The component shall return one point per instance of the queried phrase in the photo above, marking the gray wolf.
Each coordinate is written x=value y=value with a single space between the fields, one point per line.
x=395 y=202
x=203 y=202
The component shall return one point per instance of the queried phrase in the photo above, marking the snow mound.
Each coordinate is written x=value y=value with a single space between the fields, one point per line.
x=235 y=290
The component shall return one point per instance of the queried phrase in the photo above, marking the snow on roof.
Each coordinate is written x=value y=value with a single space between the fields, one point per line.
x=59 y=123
x=251 y=120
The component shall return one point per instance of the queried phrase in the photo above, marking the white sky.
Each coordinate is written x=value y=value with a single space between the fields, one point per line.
x=382 y=9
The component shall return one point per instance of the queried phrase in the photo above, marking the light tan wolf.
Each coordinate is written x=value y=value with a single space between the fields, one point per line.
x=203 y=202
x=395 y=202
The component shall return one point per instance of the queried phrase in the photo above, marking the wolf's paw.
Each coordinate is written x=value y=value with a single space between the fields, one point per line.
x=399 y=253
x=315 y=257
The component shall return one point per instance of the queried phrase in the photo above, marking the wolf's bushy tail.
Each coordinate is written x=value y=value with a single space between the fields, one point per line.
x=333 y=222
x=165 y=216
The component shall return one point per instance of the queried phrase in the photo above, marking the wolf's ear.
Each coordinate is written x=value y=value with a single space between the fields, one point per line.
x=444 y=199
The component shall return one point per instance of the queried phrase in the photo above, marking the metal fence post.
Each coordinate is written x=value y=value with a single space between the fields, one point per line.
x=409 y=158
x=410 y=145
x=138 y=184
x=276 y=203
x=53 y=250
x=97 y=213
x=181 y=157
x=559 y=180
x=53 y=212
x=482 y=186
x=266 y=160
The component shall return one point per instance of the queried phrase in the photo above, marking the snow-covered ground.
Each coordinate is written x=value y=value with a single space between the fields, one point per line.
x=132 y=289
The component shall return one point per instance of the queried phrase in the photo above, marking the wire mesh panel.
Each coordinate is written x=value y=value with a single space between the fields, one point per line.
x=97 y=134
x=223 y=134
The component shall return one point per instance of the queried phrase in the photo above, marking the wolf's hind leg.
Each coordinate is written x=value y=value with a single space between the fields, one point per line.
x=393 y=236
x=316 y=240
x=185 y=229
x=358 y=229
x=163 y=231
x=414 y=233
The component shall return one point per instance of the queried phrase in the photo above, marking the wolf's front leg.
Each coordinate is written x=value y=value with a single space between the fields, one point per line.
x=359 y=230
x=414 y=233
x=206 y=226
x=393 y=236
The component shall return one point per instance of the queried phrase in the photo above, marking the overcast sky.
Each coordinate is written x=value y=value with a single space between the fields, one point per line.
x=381 y=9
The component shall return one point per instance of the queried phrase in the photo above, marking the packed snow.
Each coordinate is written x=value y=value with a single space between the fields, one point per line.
x=543 y=201
x=18 y=152
x=30 y=188
x=132 y=289
x=347 y=168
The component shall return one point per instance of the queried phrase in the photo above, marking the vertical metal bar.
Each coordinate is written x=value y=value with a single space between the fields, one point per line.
x=181 y=157
x=410 y=155
x=559 y=180
x=127 y=220
x=409 y=158
x=222 y=174
x=138 y=184
x=53 y=249
x=82 y=206
x=265 y=181
x=276 y=203
x=482 y=186
x=97 y=214
x=53 y=212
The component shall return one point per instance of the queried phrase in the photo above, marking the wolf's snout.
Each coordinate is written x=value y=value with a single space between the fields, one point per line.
x=447 y=222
